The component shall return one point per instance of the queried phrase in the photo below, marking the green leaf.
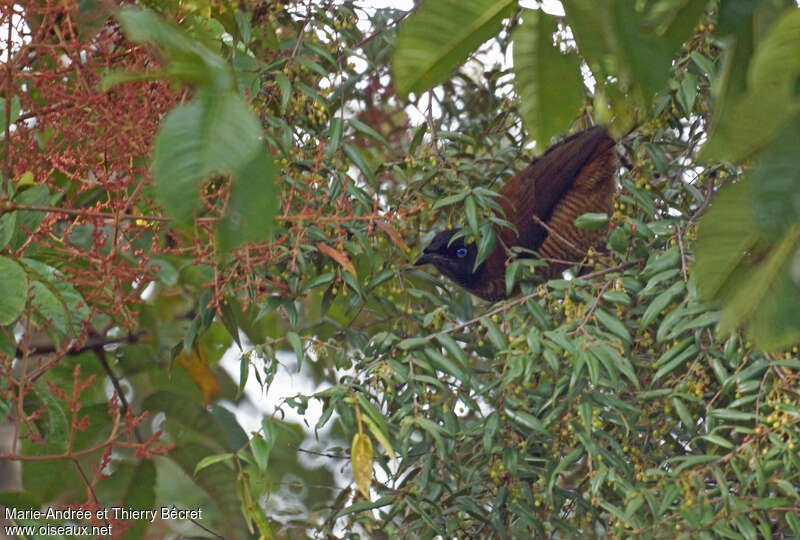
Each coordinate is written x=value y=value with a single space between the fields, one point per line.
x=334 y=136
x=683 y=414
x=452 y=347
x=261 y=450
x=451 y=199
x=591 y=221
x=591 y=24
x=613 y=324
x=768 y=300
x=726 y=233
x=744 y=126
x=285 y=86
x=443 y=363
x=358 y=160
x=412 y=343
x=364 y=129
x=547 y=109
x=297 y=347
x=28 y=221
x=494 y=334
x=13 y=290
x=15 y=108
x=486 y=244
x=645 y=54
x=705 y=64
x=244 y=373
x=525 y=420
x=673 y=364
x=252 y=205
x=322 y=279
x=189 y=60
x=687 y=92
x=141 y=495
x=775 y=65
x=210 y=460
x=214 y=134
x=440 y=35
x=660 y=303
x=776 y=183
x=471 y=211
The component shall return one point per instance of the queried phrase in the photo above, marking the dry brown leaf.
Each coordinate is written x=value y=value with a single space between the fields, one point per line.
x=339 y=257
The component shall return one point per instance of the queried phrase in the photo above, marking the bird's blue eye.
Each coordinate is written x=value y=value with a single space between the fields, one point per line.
x=461 y=252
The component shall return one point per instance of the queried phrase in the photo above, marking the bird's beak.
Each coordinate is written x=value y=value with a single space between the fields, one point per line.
x=426 y=258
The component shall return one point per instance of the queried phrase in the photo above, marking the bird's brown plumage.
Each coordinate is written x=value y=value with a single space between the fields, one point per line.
x=573 y=177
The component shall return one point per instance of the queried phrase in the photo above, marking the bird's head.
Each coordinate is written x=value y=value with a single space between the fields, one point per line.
x=453 y=258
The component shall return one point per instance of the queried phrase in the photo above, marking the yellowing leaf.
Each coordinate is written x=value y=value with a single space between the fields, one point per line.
x=339 y=257
x=361 y=456
x=201 y=374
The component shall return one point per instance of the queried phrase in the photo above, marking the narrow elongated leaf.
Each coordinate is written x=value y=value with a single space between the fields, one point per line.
x=591 y=221
x=439 y=36
x=297 y=347
x=358 y=160
x=361 y=457
x=613 y=324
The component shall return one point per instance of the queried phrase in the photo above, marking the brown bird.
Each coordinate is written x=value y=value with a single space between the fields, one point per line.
x=573 y=177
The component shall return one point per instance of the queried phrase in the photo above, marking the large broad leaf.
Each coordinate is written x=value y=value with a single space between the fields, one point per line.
x=439 y=36
x=774 y=324
x=776 y=183
x=775 y=65
x=768 y=301
x=645 y=56
x=55 y=300
x=216 y=481
x=746 y=126
x=189 y=60
x=591 y=24
x=547 y=109
x=746 y=122
x=727 y=232
x=140 y=495
x=750 y=278
x=252 y=204
x=215 y=133
x=13 y=290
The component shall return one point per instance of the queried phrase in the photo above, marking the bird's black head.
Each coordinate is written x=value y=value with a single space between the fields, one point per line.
x=454 y=259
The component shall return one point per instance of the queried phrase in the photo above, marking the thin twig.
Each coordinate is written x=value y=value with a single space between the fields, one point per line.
x=550 y=230
x=432 y=127
x=591 y=309
x=683 y=253
x=10 y=207
x=9 y=81
x=706 y=200
x=376 y=33
x=88 y=483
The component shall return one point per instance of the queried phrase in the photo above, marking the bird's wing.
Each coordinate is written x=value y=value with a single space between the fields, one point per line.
x=537 y=189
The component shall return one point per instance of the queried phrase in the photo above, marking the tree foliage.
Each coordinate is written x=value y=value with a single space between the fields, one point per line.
x=182 y=179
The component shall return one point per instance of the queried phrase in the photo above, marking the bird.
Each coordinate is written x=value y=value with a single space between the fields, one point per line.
x=573 y=177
